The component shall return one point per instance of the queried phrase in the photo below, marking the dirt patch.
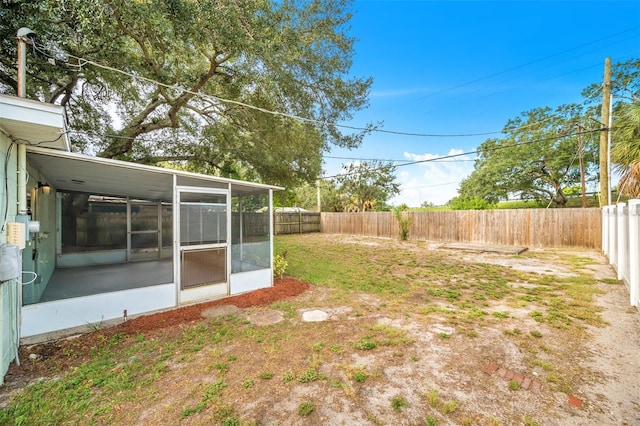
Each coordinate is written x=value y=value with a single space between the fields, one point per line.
x=33 y=357
x=373 y=350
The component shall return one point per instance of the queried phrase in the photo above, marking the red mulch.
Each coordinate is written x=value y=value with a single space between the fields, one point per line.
x=27 y=370
x=283 y=288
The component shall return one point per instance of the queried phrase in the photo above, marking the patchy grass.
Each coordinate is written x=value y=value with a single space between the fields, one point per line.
x=205 y=370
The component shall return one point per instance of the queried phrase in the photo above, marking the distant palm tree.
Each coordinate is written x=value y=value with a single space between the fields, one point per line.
x=625 y=153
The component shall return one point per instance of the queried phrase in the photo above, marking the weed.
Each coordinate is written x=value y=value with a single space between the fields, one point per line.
x=535 y=333
x=287 y=377
x=430 y=421
x=444 y=335
x=337 y=349
x=449 y=406
x=335 y=383
x=248 y=383
x=398 y=404
x=546 y=365
x=360 y=376
x=611 y=281
x=266 y=375
x=365 y=344
x=318 y=346
x=211 y=393
x=414 y=358
x=310 y=375
x=232 y=358
x=232 y=420
x=503 y=314
x=514 y=385
x=305 y=408
x=222 y=367
x=528 y=421
x=432 y=398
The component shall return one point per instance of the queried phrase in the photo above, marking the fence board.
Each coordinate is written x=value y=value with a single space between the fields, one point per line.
x=296 y=222
x=572 y=227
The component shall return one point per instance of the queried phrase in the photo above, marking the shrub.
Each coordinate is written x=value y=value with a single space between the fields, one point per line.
x=279 y=265
x=404 y=220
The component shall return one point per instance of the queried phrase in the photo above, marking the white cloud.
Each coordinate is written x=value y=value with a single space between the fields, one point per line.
x=435 y=181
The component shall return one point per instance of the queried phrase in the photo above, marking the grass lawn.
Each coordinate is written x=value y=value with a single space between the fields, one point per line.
x=410 y=332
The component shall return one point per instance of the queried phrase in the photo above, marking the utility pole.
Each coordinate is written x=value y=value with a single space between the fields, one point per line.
x=604 y=134
x=318 y=198
x=581 y=154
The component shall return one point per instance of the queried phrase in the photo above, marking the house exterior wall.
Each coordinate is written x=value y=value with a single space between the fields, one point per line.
x=39 y=253
x=8 y=289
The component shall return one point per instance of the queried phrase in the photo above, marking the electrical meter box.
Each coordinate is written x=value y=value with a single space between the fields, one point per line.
x=17 y=234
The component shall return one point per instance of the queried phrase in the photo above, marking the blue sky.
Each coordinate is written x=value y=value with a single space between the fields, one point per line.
x=466 y=67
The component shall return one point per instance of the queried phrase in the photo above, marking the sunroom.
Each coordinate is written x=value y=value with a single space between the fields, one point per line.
x=117 y=239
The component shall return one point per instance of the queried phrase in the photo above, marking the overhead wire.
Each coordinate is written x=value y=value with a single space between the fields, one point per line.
x=82 y=62
x=477 y=151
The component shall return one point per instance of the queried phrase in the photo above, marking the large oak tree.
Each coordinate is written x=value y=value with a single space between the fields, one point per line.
x=537 y=159
x=183 y=60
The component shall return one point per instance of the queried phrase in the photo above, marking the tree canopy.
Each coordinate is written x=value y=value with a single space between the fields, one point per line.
x=367 y=183
x=191 y=82
x=538 y=158
x=626 y=150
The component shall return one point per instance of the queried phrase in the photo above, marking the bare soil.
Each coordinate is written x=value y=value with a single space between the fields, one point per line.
x=432 y=364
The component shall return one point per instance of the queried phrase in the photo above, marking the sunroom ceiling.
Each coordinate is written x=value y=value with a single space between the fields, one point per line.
x=79 y=173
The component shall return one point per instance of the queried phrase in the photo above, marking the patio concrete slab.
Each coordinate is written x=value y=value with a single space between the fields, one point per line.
x=485 y=248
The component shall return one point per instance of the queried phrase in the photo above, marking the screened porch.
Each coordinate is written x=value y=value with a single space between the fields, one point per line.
x=112 y=239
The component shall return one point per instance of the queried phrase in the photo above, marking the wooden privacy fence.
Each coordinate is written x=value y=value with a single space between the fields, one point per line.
x=295 y=222
x=523 y=227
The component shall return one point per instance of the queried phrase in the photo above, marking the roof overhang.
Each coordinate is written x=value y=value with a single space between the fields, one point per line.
x=74 y=172
x=33 y=123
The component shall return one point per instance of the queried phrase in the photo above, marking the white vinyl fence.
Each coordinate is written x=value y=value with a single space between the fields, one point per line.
x=621 y=244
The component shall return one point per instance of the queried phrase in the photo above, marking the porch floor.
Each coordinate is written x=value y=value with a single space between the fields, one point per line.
x=67 y=283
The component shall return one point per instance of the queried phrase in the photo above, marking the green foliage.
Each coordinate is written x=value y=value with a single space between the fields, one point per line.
x=365 y=344
x=211 y=393
x=367 y=184
x=280 y=265
x=625 y=152
x=305 y=408
x=536 y=158
x=398 y=404
x=306 y=196
x=291 y=57
x=404 y=221
x=474 y=203
x=311 y=375
x=360 y=376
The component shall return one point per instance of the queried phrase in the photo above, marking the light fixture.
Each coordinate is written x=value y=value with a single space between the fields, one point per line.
x=46 y=189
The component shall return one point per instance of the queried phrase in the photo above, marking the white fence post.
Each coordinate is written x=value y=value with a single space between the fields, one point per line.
x=613 y=233
x=605 y=230
x=623 y=243
x=634 y=253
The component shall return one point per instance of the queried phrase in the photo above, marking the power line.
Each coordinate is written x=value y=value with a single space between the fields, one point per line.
x=82 y=62
x=527 y=64
x=477 y=151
